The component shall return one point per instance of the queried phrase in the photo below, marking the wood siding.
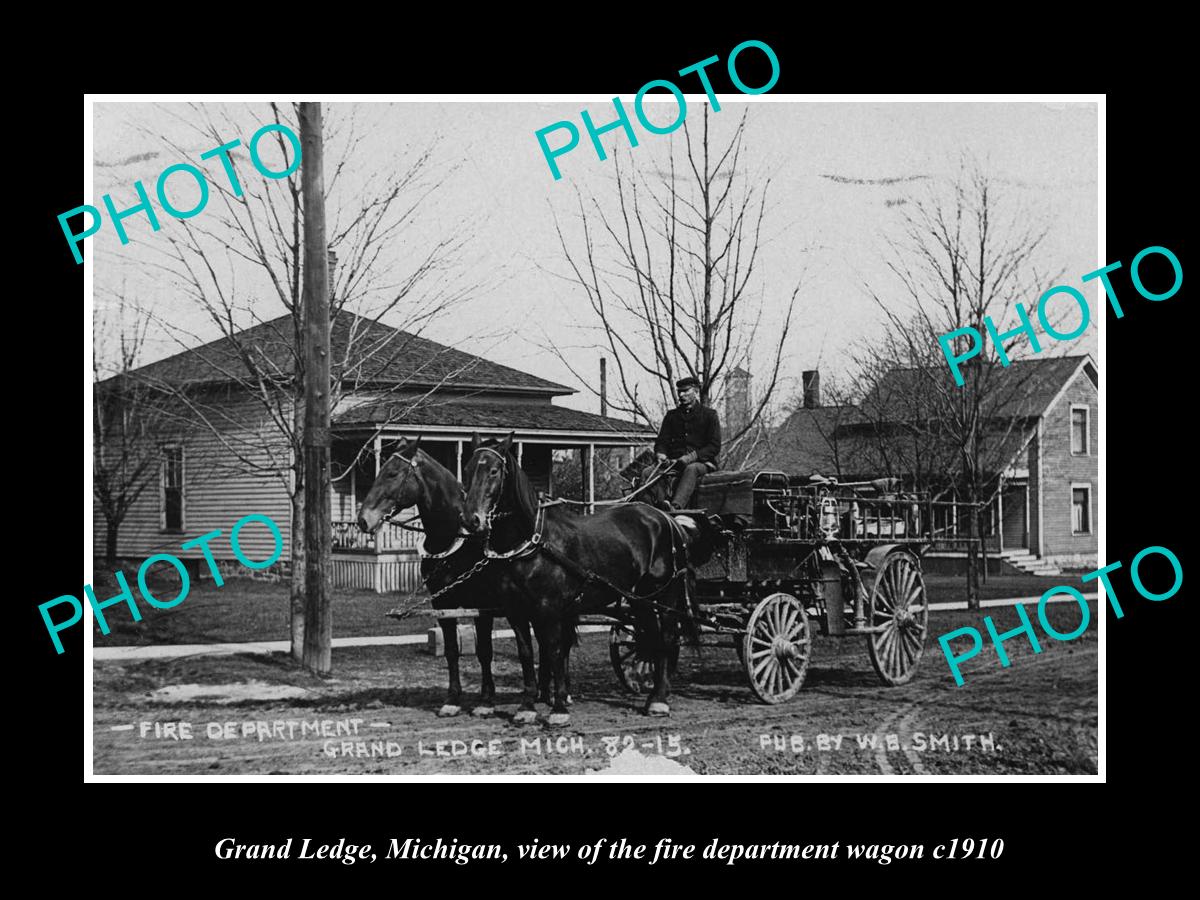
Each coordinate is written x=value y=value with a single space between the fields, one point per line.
x=1061 y=469
x=218 y=491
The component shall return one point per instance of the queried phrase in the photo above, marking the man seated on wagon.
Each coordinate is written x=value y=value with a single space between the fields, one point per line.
x=690 y=438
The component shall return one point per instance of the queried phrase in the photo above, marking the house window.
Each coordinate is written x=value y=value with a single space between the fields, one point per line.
x=1079 y=430
x=1081 y=509
x=172 y=488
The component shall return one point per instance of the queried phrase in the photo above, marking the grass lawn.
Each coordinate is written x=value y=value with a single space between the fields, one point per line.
x=245 y=609
x=946 y=588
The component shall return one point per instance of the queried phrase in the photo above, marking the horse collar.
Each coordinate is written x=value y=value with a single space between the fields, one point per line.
x=454 y=548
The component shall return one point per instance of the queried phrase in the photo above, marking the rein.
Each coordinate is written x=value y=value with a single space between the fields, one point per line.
x=661 y=470
x=536 y=542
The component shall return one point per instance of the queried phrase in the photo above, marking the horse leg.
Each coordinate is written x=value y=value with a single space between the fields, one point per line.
x=483 y=650
x=544 y=674
x=453 y=704
x=657 y=636
x=527 y=713
x=550 y=637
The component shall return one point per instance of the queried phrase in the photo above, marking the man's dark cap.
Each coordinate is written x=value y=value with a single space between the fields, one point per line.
x=684 y=383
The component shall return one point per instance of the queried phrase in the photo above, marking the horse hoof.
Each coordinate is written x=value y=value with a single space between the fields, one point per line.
x=448 y=711
x=483 y=711
x=557 y=720
x=658 y=709
x=525 y=716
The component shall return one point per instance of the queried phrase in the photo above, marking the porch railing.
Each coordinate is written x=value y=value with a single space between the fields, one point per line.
x=388 y=539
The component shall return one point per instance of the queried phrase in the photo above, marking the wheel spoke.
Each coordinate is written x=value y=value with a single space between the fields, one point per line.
x=897 y=652
x=758 y=669
x=910 y=576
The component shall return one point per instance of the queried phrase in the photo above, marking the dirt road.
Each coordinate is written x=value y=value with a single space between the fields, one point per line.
x=261 y=715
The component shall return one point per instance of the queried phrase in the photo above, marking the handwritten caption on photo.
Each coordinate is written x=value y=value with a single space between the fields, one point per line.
x=362 y=739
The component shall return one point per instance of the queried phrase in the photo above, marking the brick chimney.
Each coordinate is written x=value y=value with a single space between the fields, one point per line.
x=737 y=400
x=812 y=388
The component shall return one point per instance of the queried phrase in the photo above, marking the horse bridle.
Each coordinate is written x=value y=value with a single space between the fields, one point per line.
x=412 y=463
x=492 y=515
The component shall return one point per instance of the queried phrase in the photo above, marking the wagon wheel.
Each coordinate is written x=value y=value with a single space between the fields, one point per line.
x=776 y=648
x=635 y=671
x=899 y=604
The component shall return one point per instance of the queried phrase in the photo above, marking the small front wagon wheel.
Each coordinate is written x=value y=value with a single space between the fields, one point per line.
x=776 y=648
x=635 y=671
x=900 y=610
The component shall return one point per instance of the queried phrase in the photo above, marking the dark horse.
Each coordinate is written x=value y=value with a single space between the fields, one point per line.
x=413 y=477
x=649 y=478
x=564 y=565
x=410 y=477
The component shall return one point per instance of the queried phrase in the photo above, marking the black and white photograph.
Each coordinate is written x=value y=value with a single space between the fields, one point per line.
x=673 y=436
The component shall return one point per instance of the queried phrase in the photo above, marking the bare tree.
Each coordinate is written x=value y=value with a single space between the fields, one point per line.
x=967 y=253
x=125 y=418
x=670 y=275
x=246 y=252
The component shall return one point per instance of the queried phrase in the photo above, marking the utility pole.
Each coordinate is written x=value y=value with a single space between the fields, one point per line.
x=318 y=621
x=603 y=386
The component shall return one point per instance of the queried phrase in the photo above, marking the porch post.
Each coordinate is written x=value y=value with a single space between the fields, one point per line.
x=1000 y=512
x=1026 y=525
x=378 y=453
x=520 y=452
x=458 y=460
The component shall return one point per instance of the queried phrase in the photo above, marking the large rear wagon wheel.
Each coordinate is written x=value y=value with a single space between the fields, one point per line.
x=900 y=608
x=776 y=648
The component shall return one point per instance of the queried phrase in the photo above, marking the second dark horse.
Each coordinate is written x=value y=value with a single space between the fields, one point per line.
x=564 y=565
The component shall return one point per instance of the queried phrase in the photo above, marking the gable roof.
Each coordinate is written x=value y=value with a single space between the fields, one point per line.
x=828 y=438
x=1037 y=382
x=368 y=351
x=804 y=443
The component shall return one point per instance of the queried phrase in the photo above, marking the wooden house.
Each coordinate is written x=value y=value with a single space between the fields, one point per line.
x=1043 y=497
x=222 y=439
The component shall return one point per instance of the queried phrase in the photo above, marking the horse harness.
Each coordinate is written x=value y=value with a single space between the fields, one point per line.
x=535 y=543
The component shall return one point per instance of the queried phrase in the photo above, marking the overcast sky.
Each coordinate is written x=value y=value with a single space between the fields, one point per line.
x=830 y=231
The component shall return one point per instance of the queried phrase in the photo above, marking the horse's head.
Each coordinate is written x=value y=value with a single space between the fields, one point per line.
x=484 y=477
x=636 y=471
x=397 y=486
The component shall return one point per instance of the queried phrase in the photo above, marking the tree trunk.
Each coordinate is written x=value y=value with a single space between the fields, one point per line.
x=972 y=556
x=983 y=554
x=110 y=543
